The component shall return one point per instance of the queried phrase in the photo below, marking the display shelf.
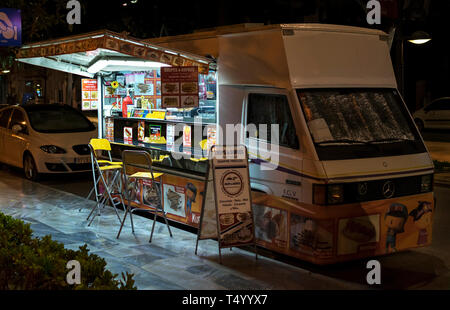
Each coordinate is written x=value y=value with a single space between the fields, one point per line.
x=165 y=121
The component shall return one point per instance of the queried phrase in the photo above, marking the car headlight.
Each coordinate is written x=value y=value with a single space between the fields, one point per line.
x=53 y=149
x=426 y=184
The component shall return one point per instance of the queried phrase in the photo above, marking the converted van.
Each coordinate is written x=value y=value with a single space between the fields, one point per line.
x=349 y=176
x=338 y=169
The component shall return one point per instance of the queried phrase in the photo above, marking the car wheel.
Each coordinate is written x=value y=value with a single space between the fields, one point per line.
x=29 y=168
x=419 y=124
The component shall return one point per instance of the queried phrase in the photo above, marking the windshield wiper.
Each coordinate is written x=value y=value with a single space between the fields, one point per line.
x=349 y=141
x=391 y=140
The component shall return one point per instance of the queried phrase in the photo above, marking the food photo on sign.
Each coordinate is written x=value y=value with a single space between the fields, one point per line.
x=175 y=200
x=271 y=225
x=308 y=236
x=236 y=228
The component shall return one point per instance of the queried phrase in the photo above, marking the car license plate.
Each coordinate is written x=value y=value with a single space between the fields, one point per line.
x=82 y=160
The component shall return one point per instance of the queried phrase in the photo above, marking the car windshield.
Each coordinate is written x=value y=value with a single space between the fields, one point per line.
x=364 y=119
x=57 y=119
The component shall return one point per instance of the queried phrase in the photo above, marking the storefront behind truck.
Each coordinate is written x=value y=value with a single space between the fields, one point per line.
x=351 y=177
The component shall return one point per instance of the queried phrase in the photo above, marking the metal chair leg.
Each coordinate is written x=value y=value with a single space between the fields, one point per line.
x=162 y=208
x=153 y=228
x=167 y=223
x=107 y=189
x=128 y=210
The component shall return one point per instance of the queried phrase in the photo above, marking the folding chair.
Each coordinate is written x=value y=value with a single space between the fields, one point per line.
x=100 y=167
x=141 y=161
x=100 y=145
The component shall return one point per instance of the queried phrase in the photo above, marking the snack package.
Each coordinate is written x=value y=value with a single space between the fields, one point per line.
x=128 y=135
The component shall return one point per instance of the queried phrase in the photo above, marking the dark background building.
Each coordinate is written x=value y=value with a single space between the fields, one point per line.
x=426 y=67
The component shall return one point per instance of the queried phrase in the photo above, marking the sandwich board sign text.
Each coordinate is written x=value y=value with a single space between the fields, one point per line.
x=227 y=208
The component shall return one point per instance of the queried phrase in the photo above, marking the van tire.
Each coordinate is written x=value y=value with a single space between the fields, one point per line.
x=419 y=124
x=29 y=168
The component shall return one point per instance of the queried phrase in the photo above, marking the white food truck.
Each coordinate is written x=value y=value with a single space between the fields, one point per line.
x=350 y=173
x=343 y=173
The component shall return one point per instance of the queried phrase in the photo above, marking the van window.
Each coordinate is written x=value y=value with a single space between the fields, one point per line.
x=268 y=109
x=4 y=117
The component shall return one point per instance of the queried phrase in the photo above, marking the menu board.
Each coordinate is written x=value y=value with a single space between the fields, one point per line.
x=89 y=94
x=232 y=190
x=229 y=190
x=179 y=87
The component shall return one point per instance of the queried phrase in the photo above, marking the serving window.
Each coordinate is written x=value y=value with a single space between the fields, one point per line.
x=150 y=120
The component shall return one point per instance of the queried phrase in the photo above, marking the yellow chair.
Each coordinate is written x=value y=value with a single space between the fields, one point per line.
x=141 y=161
x=104 y=145
x=100 y=169
x=99 y=145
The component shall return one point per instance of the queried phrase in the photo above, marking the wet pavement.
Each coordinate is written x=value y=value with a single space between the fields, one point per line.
x=166 y=263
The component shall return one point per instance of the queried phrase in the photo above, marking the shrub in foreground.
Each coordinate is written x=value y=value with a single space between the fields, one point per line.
x=28 y=263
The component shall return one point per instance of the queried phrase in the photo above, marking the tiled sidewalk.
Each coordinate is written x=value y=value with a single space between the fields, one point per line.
x=166 y=263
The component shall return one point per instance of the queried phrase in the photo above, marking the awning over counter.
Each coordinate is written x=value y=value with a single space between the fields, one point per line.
x=105 y=51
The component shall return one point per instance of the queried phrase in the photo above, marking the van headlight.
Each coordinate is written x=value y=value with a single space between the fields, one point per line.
x=426 y=183
x=335 y=194
x=53 y=149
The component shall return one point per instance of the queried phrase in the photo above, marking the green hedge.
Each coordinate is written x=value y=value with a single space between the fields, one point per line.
x=28 y=263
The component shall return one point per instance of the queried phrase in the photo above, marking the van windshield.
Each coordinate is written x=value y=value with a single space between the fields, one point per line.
x=359 y=123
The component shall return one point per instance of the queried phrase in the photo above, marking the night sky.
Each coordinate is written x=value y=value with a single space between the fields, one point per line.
x=46 y=19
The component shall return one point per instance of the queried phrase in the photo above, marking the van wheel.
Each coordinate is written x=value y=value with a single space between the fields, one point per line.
x=419 y=124
x=29 y=168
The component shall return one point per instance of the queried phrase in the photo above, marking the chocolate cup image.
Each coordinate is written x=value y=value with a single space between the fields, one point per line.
x=226 y=219
x=359 y=230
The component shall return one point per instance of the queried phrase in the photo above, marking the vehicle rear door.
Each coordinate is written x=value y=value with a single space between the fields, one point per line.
x=4 y=120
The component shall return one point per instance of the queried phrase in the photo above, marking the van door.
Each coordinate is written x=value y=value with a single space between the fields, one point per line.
x=272 y=142
x=4 y=119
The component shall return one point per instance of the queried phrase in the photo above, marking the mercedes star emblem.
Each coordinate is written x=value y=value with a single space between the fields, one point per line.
x=362 y=188
x=388 y=189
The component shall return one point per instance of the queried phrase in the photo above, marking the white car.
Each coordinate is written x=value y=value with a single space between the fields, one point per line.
x=436 y=115
x=45 y=138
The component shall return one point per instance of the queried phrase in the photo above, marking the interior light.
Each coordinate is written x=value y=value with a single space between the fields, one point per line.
x=6 y=71
x=101 y=64
x=97 y=66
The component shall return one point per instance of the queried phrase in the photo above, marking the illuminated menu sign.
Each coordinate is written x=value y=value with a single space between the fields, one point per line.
x=89 y=94
x=179 y=87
